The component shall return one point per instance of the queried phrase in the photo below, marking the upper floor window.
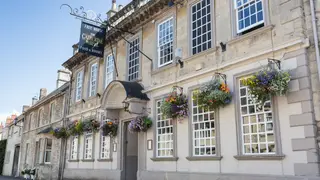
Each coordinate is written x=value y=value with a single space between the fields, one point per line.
x=40 y=117
x=165 y=42
x=109 y=71
x=79 y=86
x=30 y=121
x=74 y=148
x=249 y=14
x=201 y=26
x=88 y=141
x=47 y=151
x=257 y=132
x=93 y=79
x=164 y=144
x=52 y=110
x=133 y=60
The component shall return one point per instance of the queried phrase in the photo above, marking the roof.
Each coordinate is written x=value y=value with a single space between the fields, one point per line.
x=57 y=92
x=74 y=60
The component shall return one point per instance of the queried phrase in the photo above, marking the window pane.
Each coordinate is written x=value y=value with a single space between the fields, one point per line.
x=249 y=14
x=164 y=134
x=133 y=60
x=204 y=141
x=201 y=21
x=257 y=126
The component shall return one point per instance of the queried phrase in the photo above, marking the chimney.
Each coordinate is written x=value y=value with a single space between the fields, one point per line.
x=63 y=77
x=113 y=9
x=75 y=48
x=43 y=93
x=25 y=108
x=34 y=100
x=120 y=7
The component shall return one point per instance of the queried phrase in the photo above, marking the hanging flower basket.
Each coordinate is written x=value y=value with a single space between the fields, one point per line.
x=175 y=105
x=26 y=173
x=109 y=129
x=90 y=126
x=268 y=82
x=59 y=132
x=213 y=94
x=74 y=128
x=140 y=124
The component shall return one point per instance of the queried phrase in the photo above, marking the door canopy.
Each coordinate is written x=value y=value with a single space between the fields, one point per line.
x=119 y=92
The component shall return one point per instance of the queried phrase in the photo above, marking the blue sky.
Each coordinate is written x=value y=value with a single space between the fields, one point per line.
x=35 y=39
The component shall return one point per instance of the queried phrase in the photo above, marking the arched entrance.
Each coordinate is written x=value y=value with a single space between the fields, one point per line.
x=122 y=101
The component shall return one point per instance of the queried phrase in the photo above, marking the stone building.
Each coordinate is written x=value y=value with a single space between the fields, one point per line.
x=39 y=149
x=184 y=44
x=12 y=156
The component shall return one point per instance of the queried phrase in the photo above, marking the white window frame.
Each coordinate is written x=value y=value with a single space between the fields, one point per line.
x=109 y=64
x=247 y=125
x=105 y=147
x=87 y=152
x=200 y=129
x=133 y=76
x=170 y=40
x=93 y=83
x=79 y=83
x=74 y=146
x=203 y=28
x=164 y=140
x=242 y=6
x=46 y=151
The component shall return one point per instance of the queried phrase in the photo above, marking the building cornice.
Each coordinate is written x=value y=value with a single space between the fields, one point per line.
x=75 y=60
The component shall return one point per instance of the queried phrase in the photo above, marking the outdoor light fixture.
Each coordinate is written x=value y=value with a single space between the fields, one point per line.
x=223 y=46
x=149 y=143
x=99 y=95
x=84 y=101
x=126 y=105
x=181 y=63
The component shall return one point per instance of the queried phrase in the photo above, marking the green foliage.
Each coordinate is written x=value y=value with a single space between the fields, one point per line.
x=59 y=132
x=268 y=83
x=110 y=129
x=140 y=123
x=3 y=145
x=213 y=94
x=175 y=106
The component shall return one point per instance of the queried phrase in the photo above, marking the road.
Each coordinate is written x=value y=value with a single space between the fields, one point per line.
x=8 y=178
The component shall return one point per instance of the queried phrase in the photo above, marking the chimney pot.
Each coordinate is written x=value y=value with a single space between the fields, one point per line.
x=34 y=100
x=43 y=93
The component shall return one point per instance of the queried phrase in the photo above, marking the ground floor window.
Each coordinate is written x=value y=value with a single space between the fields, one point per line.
x=88 y=140
x=105 y=147
x=74 y=148
x=47 y=151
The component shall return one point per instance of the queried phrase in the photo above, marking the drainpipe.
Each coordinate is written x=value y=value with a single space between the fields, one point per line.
x=316 y=43
x=315 y=35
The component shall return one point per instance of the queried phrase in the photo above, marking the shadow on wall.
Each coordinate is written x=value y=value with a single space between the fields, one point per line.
x=3 y=145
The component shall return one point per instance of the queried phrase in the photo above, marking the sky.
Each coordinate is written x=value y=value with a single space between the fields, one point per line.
x=35 y=39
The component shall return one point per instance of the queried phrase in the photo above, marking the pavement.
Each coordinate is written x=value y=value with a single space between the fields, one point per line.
x=8 y=178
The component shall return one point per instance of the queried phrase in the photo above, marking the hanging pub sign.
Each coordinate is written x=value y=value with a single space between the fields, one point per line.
x=92 y=39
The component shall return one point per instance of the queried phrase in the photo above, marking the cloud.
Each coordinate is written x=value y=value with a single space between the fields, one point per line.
x=3 y=116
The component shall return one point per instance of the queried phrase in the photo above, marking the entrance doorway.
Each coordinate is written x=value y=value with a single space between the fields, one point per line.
x=15 y=160
x=130 y=141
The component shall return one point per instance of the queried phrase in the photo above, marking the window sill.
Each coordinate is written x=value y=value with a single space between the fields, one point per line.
x=164 y=159
x=253 y=33
x=204 y=158
x=259 y=157
x=73 y=160
x=105 y=160
x=87 y=160
x=162 y=68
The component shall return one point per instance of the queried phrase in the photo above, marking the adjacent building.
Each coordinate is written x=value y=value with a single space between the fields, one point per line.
x=39 y=149
x=184 y=43
x=12 y=155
